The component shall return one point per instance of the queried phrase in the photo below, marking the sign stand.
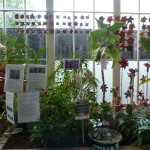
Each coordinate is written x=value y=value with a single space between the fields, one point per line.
x=83 y=131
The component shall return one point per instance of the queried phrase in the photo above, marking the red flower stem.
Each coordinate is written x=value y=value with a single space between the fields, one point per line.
x=103 y=80
x=132 y=84
x=121 y=84
x=147 y=86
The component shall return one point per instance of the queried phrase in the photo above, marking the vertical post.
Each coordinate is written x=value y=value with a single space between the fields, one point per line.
x=83 y=131
x=50 y=39
x=138 y=52
x=116 y=69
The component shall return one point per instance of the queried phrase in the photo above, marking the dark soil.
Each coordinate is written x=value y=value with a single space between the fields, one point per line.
x=21 y=141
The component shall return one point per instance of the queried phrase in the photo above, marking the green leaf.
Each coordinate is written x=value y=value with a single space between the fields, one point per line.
x=38 y=55
x=101 y=25
x=116 y=26
x=114 y=53
x=97 y=35
x=145 y=42
x=96 y=55
x=112 y=38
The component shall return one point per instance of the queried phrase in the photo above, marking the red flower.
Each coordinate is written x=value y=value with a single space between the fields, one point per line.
x=133 y=71
x=123 y=62
x=130 y=41
x=140 y=93
x=130 y=87
x=109 y=19
x=45 y=92
x=73 y=129
x=143 y=79
x=130 y=75
x=146 y=64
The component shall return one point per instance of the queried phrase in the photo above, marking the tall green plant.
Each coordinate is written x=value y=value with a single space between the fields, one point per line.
x=57 y=107
x=102 y=42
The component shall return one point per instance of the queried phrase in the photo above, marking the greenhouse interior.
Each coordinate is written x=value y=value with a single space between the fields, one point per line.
x=91 y=59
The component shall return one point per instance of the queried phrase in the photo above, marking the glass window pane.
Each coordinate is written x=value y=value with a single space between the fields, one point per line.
x=83 y=21
x=63 y=25
x=37 y=41
x=143 y=71
x=63 y=46
x=126 y=82
x=11 y=21
x=63 y=20
x=81 y=45
x=104 y=5
x=36 y=4
x=36 y=19
x=1 y=4
x=83 y=5
x=83 y=25
x=63 y=5
x=144 y=6
x=129 y=6
x=103 y=17
x=14 y=5
x=144 y=31
x=1 y=20
x=128 y=42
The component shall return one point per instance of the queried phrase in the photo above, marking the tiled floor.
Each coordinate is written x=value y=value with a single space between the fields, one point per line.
x=89 y=148
x=128 y=147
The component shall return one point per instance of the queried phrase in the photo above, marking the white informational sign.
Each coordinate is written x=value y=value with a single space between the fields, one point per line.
x=14 y=78
x=10 y=107
x=28 y=106
x=36 y=77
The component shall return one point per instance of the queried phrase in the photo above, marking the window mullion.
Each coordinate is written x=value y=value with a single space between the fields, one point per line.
x=74 y=52
x=50 y=58
x=116 y=69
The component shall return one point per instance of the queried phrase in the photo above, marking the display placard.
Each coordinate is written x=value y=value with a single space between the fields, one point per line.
x=36 y=77
x=28 y=107
x=71 y=64
x=10 y=107
x=14 y=78
x=82 y=110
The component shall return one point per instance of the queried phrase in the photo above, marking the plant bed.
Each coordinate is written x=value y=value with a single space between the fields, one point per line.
x=23 y=140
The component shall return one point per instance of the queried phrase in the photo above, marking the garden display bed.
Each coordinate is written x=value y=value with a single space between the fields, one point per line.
x=22 y=140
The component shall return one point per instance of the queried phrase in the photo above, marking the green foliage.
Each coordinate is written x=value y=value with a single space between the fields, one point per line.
x=38 y=54
x=129 y=109
x=145 y=42
x=57 y=107
x=134 y=126
x=16 y=51
x=105 y=111
x=102 y=42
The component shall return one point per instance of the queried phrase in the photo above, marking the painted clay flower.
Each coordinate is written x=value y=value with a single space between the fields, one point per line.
x=127 y=94
x=123 y=62
x=140 y=93
x=147 y=64
x=143 y=79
